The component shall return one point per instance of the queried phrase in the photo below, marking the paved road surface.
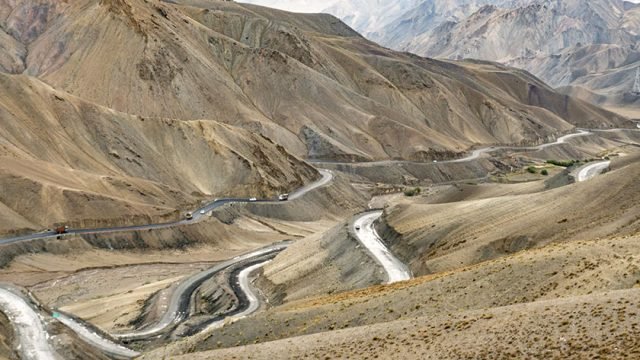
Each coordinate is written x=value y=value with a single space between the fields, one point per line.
x=561 y=140
x=475 y=154
x=178 y=307
x=590 y=171
x=367 y=235
x=326 y=178
x=33 y=338
x=252 y=297
x=30 y=331
x=96 y=340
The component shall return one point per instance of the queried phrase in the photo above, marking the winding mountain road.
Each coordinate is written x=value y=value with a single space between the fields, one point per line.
x=253 y=303
x=178 y=307
x=475 y=154
x=561 y=140
x=368 y=236
x=96 y=340
x=590 y=171
x=30 y=329
x=28 y=325
x=327 y=177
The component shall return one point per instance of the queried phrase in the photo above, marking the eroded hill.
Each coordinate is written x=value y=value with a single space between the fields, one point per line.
x=308 y=82
x=64 y=159
x=570 y=291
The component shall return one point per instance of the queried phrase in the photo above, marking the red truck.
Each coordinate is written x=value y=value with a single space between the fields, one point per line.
x=61 y=229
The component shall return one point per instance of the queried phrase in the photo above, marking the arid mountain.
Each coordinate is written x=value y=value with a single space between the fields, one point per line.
x=590 y=44
x=118 y=112
x=64 y=159
x=464 y=308
x=294 y=78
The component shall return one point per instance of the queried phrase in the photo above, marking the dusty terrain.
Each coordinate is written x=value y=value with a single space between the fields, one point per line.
x=210 y=98
x=66 y=160
x=293 y=78
x=6 y=339
x=538 y=280
x=586 y=48
x=571 y=282
x=591 y=326
x=94 y=296
x=440 y=237
x=122 y=281
x=199 y=99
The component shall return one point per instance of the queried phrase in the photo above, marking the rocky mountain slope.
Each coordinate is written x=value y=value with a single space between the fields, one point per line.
x=580 y=44
x=581 y=286
x=575 y=212
x=293 y=78
x=66 y=159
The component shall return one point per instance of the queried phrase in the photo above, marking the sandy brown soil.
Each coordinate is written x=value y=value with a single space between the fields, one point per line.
x=294 y=78
x=112 y=298
x=592 y=326
x=67 y=160
x=328 y=262
x=440 y=237
x=6 y=339
x=545 y=276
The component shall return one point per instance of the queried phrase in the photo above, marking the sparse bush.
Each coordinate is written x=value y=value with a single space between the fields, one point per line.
x=544 y=172
x=532 y=170
x=563 y=163
x=413 y=192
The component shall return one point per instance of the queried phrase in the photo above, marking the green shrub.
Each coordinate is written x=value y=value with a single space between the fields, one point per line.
x=563 y=163
x=413 y=192
x=544 y=172
x=532 y=170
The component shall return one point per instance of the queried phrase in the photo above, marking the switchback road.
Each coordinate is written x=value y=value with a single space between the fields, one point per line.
x=363 y=226
x=198 y=215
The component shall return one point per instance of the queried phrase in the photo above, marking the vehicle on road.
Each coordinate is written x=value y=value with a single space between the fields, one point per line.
x=188 y=216
x=253 y=199
x=202 y=212
x=435 y=161
x=283 y=197
x=62 y=229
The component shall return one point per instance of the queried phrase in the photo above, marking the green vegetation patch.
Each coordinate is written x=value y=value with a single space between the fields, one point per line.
x=563 y=163
x=413 y=192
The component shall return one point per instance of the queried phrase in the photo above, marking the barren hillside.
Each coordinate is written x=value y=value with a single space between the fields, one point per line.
x=122 y=112
x=589 y=44
x=64 y=159
x=294 y=78
x=439 y=237
x=593 y=281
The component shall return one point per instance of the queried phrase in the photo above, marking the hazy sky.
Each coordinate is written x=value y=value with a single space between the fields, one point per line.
x=306 y=5
x=294 y=5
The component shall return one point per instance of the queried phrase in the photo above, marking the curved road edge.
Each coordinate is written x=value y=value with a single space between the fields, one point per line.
x=475 y=154
x=592 y=170
x=198 y=214
x=252 y=300
x=368 y=236
x=95 y=339
x=181 y=296
x=28 y=324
